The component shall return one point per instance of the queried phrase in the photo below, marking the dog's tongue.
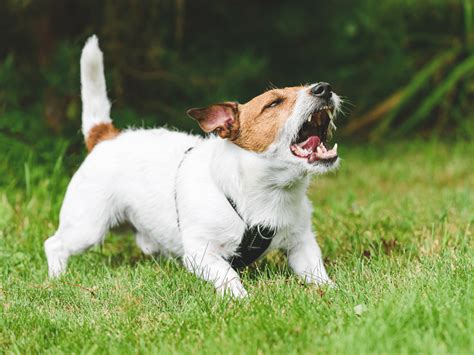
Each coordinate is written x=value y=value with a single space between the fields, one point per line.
x=311 y=143
x=304 y=149
x=313 y=149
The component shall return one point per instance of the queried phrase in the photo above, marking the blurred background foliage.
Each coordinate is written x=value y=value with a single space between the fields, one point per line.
x=404 y=67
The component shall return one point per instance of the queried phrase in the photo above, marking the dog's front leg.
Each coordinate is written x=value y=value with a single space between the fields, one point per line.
x=304 y=257
x=212 y=267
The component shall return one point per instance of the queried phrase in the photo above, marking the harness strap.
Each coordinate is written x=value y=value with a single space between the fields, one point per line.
x=176 y=186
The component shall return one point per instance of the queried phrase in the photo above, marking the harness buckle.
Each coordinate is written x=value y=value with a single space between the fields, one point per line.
x=262 y=236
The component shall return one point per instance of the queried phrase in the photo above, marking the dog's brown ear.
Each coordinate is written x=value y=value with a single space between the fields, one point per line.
x=222 y=118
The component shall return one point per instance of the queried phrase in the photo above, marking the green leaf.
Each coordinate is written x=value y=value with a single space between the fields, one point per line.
x=434 y=98
x=418 y=81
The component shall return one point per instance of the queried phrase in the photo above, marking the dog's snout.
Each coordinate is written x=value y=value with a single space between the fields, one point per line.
x=322 y=90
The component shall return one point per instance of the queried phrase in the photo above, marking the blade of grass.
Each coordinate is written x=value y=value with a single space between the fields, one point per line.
x=469 y=25
x=436 y=96
x=59 y=161
x=27 y=180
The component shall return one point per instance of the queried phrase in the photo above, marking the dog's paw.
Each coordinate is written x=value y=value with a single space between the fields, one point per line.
x=57 y=261
x=327 y=282
x=233 y=288
x=319 y=279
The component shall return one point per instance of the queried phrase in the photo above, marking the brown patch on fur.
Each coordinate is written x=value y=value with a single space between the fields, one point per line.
x=260 y=123
x=99 y=133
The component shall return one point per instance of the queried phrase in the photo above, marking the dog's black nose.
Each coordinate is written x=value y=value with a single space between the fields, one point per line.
x=323 y=90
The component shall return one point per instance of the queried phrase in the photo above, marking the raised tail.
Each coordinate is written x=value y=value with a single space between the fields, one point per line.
x=96 y=122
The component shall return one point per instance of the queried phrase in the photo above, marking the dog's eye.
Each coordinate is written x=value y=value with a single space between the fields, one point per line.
x=274 y=103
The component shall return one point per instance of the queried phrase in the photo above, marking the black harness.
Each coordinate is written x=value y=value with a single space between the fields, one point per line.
x=255 y=241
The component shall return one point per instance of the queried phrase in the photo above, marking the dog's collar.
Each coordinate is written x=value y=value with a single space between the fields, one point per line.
x=255 y=241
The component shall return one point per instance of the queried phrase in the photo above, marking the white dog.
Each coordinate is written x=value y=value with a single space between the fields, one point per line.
x=218 y=203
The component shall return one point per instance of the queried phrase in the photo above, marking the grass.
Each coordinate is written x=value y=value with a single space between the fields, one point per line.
x=395 y=226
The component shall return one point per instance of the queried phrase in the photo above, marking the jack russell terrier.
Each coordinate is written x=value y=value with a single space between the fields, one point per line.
x=219 y=203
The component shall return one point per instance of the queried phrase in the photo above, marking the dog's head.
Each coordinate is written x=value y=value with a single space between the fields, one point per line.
x=290 y=125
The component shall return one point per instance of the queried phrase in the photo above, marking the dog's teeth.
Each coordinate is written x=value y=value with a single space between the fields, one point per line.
x=319 y=150
x=335 y=148
x=309 y=119
x=329 y=113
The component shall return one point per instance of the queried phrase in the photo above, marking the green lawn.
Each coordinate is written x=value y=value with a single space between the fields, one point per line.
x=395 y=224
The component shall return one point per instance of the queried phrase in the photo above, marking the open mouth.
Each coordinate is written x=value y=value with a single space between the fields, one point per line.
x=312 y=137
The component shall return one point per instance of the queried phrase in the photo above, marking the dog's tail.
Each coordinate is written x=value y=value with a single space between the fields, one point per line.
x=96 y=122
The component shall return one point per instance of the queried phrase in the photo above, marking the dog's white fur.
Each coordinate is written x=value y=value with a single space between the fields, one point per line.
x=95 y=104
x=135 y=177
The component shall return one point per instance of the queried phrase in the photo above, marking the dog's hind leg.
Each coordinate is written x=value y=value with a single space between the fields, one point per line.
x=84 y=220
x=146 y=244
x=69 y=240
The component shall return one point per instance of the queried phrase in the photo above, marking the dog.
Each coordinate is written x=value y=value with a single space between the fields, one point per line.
x=218 y=203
